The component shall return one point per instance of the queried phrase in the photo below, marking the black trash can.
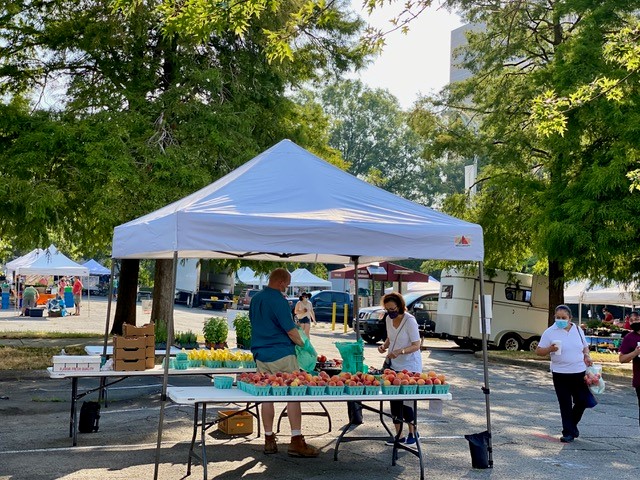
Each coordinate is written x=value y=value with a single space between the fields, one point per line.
x=479 y=447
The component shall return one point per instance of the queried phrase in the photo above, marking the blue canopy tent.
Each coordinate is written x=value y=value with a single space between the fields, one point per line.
x=95 y=268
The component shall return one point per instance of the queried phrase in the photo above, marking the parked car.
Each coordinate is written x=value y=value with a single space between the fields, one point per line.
x=421 y=305
x=244 y=300
x=323 y=300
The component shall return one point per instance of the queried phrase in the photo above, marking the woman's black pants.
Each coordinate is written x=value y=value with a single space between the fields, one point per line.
x=571 y=391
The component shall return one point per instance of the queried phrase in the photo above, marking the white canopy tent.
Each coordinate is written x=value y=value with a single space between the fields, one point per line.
x=586 y=293
x=247 y=276
x=27 y=259
x=301 y=277
x=261 y=211
x=95 y=268
x=51 y=262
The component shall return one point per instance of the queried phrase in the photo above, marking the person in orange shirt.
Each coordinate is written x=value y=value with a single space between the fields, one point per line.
x=77 y=294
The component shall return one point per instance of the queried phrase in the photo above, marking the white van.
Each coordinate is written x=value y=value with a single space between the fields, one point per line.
x=520 y=309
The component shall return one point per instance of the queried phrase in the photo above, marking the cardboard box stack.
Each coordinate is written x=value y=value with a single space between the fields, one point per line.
x=135 y=350
x=238 y=424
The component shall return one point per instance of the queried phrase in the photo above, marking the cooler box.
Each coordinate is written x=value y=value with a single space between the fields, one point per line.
x=240 y=424
x=68 y=298
x=34 y=312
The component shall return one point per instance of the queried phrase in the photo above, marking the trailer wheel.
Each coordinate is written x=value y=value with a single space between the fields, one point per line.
x=511 y=342
x=532 y=344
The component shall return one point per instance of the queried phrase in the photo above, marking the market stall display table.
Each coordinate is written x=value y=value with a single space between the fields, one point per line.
x=111 y=377
x=199 y=397
x=603 y=344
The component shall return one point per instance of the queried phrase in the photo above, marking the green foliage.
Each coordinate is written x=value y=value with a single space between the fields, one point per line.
x=561 y=199
x=161 y=332
x=242 y=326
x=187 y=338
x=215 y=330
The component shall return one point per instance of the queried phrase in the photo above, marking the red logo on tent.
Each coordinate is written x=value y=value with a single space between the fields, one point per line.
x=462 y=241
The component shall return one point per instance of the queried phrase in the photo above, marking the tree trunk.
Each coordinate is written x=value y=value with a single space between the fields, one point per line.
x=163 y=293
x=556 y=287
x=127 y=293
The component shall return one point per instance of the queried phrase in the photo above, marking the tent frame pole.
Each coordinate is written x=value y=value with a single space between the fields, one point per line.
x=106 y=327
x=165 y=377
x=356 y=300
x=485 y=362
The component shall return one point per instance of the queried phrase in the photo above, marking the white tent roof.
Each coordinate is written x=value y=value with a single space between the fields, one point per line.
x=262 y=211
x=302 y=277
x=51 y=262
x=247 y=276
x=616 y=294
x=23 y=260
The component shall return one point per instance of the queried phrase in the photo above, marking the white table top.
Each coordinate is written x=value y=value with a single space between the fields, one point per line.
x=193 y=395
x=97 y=350
x=156 y=371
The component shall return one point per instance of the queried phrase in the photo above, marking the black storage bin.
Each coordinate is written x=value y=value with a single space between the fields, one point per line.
x=479 y=447
x=34 y=312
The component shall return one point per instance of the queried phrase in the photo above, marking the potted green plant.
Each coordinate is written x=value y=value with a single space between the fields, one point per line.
x=215 y=332
x=162 y=334
x=187 y=339
x=242 y=325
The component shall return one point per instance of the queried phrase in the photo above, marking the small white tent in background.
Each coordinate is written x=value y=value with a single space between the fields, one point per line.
x=247 y=276
x=432 y=286
x=301 y=277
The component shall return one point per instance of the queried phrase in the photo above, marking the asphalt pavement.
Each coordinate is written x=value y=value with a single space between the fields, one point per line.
x=525 y=421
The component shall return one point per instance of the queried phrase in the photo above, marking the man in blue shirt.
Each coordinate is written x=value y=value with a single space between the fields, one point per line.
x=273 y=340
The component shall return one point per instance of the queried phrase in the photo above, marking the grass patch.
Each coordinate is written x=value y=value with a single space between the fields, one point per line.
x=29 y=334
x=520 y=355
x=32 y=358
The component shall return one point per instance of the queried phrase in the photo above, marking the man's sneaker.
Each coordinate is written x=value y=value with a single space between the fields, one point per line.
x=411 y=440
x=270 y=445
x=299 y=448
x=392 y=441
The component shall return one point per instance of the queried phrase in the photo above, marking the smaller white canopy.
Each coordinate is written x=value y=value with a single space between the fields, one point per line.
x=616 y=294
x=302 y=277
x=247 y=276
x=52 y=262
x=22 y=261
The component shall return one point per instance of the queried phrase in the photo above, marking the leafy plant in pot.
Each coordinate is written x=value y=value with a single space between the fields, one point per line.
x=215 y=332
x=161 y=333
x=187 y=339
x=242 y=325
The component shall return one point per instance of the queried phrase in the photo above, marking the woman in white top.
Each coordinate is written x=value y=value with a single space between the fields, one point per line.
x=304 y=313
x=569 y=353
x=403 y=345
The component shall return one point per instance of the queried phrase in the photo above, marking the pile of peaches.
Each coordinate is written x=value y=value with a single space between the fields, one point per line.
x=405 y=377
x=301 y=379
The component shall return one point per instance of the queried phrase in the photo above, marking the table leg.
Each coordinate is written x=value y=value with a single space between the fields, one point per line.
x=193 y=437
x=73 y=422
x=203 y=440
x=418 y=447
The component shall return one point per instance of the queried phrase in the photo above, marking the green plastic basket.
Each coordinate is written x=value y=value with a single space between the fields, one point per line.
x=315 y=390
x=195 y=363
x=232 y=363
x=213 y=363
x=408 y=389
x=279 y=391
x=335 y=390
x=248 y=364
x=425 y=389
x=223 y=382
x=181 y=364
x=371 y=390
x=390 y=389
x=261 y=390
x=441 y=389
x=356 y=390
x=299 y=390
x=181 y=356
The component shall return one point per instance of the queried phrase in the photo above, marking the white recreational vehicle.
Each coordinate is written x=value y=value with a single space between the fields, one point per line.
x=520 y=309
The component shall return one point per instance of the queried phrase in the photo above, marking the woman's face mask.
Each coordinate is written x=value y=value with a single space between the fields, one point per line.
x=562 y=322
